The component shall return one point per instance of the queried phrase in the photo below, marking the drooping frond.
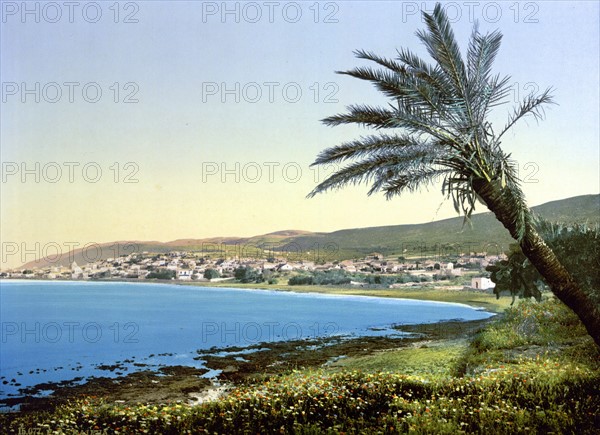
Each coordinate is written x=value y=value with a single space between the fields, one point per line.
x=391 y=64
x=364 y=115
x=389 y=83
x=366 y=146
x=412 y=180
x=379 y=167
x=459 y=187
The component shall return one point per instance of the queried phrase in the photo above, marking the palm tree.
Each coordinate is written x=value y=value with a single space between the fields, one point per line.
x=438 y=115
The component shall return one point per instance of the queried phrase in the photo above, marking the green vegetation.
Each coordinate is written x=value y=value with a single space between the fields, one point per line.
x=327 y=277
x=161 y=274
x=247 y=274
x=431 y=359
x=533 y=370
x=427 y=292
x=340 y=277
x=437 y=127
x=211 y=274
x=445 y=237
x=576 y=245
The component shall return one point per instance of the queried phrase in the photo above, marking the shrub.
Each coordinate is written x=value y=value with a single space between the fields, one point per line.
x=301 y=280
x=161 y=274
x=211 y=274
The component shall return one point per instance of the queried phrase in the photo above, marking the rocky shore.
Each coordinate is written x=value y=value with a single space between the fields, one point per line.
x=231 y=366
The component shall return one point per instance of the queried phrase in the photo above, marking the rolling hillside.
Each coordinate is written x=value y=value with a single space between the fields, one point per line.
x=444 y=236
x=484 y=234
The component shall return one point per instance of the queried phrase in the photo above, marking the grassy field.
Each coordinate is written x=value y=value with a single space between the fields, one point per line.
x=531 y=370
x=429 y=359
x=429 y=292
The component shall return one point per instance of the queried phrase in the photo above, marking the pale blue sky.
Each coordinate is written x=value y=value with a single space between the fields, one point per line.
x=177 y=50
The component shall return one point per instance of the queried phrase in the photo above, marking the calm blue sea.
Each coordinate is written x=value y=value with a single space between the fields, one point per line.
x=55 y=331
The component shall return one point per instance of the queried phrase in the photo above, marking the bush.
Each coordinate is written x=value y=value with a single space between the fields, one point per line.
x=327 y=277
x=382 y=280
x=161 y=274
x=246 y=274
x=301 y=280
x=577 y=247
x=331 y=277
x=211 y=274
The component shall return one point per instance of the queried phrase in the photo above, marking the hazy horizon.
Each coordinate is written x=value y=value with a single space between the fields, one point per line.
x=92 y=248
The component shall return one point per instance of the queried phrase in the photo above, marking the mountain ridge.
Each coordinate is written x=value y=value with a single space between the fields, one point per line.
x=484 y=233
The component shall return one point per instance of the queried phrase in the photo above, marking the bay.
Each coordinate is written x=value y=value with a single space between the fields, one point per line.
x=60 y=331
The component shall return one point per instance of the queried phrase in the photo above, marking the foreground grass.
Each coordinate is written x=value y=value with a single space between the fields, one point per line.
x=533 y=370
x=432 y=359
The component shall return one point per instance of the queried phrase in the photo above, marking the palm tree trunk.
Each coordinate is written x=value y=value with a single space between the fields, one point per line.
x=562 y=284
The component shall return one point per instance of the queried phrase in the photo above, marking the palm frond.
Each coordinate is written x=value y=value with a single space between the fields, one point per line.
x=531 y=105
x=481 y=55
x=485 y=91
x=412 y=180
x=414 y=160
x=391 y=84
x=366 y=146
x=421 y=70
x=491 y=94
x=378 y=168
x=391 y=64
x=420 y=90
x=363 y=115
x=459 y=187
x=417 y=120
x=443 y=48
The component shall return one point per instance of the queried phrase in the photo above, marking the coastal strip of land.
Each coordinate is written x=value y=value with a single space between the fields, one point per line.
x=189 y=385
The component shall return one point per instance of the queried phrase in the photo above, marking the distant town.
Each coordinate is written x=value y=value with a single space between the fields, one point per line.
x=182 y=266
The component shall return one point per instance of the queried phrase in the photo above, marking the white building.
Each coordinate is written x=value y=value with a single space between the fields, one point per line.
x=184 y=274
x=76 y=271
x=481 y=283
x=285 y=268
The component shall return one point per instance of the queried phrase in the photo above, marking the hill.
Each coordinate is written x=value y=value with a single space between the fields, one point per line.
x=445 y=236
x=433 y=238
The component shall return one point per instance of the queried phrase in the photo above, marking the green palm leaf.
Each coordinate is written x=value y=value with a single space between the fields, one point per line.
x=440 y=111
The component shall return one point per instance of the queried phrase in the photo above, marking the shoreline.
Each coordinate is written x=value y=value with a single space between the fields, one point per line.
x=408 y=293
x=183 y=384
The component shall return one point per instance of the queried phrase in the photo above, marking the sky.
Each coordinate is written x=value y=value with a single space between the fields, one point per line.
x=153 y=120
